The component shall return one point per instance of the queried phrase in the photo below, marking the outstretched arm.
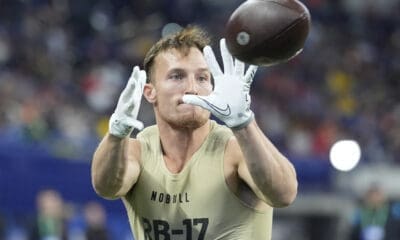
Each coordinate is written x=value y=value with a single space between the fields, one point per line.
x=264 y=169
x=115 y=165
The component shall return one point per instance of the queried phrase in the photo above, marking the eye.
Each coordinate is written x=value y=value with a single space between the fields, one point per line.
x=203 y=78
x=176 y=76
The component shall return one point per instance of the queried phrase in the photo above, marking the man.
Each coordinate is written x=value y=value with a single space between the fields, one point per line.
x=188 y=177
x=96 y=223
x=50 y=221
x=377 y=217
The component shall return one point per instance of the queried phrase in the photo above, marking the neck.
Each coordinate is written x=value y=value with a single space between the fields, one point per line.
x=179 y=145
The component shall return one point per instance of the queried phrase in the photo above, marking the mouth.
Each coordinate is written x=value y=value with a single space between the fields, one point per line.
x=181 y=102
x=185 y=106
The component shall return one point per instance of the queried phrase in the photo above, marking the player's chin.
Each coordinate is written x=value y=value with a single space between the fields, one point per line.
x=194 y=119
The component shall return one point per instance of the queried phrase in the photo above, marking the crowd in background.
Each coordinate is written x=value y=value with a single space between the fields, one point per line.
x=55 y=218
x=63 y=64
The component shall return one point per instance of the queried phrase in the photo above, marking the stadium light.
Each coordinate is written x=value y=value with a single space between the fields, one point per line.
x=345 y=155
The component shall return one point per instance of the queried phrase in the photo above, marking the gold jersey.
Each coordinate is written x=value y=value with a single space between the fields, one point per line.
x=195 y=204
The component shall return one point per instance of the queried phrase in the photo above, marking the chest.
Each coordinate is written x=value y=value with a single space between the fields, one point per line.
x=199 y=184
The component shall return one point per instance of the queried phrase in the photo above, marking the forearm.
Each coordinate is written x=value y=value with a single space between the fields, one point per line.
x=115 y=165
x=272 y=173
x=109 y=166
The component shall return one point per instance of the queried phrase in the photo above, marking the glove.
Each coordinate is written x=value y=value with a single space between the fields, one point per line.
x=230 y=100
x=123 y=120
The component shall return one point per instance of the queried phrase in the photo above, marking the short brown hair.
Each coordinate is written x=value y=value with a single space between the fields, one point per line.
x=183 y=40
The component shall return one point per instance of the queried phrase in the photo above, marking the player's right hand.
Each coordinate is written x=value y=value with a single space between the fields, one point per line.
x=124 y=118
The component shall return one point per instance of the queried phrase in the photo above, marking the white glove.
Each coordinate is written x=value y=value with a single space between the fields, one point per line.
x=230 y=100
x=123 y=120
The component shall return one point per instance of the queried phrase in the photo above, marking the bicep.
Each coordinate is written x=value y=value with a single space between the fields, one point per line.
x=244 y=174
x=235 y=156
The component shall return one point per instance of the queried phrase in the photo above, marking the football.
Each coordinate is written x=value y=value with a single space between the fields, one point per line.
x=267 y=32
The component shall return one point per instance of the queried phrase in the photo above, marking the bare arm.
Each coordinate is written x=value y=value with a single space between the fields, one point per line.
x=115 y=166
x=264 y=168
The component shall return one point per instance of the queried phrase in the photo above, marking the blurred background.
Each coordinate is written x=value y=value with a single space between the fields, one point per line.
x=63 y=64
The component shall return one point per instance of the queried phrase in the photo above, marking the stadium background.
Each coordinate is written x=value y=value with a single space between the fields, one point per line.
x=63 y=64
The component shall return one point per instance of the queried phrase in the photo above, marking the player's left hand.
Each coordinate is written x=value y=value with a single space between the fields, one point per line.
x=230 y=100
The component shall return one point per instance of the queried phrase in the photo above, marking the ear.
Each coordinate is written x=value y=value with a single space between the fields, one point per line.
x=150 y=93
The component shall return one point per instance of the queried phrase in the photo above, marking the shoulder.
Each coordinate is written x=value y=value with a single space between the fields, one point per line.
x=224 y=135
x=220 y=131
x=147 y=132
x=147 y=135
x=218 y=137
x=146 y=142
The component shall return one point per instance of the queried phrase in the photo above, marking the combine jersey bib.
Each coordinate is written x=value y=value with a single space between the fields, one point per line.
x=195 y=204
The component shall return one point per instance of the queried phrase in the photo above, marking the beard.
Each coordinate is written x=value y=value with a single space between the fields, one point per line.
x=193 y=120
x=189 y=123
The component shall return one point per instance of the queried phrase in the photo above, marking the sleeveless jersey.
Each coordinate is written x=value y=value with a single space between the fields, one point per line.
x=195 y=204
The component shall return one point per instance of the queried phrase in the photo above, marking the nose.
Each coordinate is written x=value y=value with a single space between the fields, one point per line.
x=191 y=86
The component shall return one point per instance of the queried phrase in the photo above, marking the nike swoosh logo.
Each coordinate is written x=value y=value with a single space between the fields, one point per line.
x=226 y=111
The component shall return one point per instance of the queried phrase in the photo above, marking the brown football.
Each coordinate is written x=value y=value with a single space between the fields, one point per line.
x=267 y=32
